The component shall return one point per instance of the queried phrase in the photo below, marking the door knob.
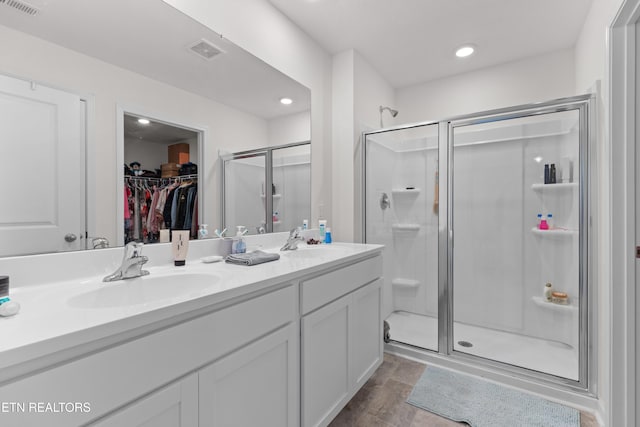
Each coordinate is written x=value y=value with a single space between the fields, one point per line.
x=70 y=237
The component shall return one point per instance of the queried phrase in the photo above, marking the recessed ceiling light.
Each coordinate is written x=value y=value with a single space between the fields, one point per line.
x=286 y=101
x=465 y=51
x=144 y=121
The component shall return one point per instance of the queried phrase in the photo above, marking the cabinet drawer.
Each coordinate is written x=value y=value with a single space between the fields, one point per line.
x=321 y=290
x=118 y=375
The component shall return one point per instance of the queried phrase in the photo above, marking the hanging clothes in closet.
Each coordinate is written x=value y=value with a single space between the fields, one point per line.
x=153 y=204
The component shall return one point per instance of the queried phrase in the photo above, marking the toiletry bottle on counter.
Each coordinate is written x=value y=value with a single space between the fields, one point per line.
x=239 y=246
x=322 y=225
x=547 y=291
x=203 y=233
x=305 y=224
x=327 y=235
x=180 y=246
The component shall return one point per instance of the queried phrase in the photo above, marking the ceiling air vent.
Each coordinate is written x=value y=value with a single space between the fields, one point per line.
x=204 y=49
x=21 y=6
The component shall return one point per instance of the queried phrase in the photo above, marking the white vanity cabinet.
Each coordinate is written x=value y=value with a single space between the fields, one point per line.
x=175 y=405
x=285 y=351
x=341 y=337
x=127 y=381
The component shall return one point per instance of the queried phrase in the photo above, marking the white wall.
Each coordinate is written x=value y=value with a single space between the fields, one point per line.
x=534 y=79
x=358 y=91
x=107 y=86
x=289 y=129
x=259 y=28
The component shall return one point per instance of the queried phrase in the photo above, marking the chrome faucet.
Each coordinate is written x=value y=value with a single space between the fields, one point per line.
x=293 y=240
x=100 y=242
x=131 y=264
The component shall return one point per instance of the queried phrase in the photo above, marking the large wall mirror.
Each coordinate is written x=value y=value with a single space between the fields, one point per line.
x=73 y=73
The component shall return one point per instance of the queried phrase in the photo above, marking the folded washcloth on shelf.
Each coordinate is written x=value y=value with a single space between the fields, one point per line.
x=252 y=258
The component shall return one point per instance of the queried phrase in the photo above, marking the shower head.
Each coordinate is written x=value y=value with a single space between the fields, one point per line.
x=391 y=111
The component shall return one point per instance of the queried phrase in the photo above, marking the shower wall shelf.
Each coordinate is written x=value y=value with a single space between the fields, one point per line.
x=405 y=283
x=553 y=306
x=275 y=196
x=554 y=232
x=405 y=227
x=554 y=187
x=405 y=191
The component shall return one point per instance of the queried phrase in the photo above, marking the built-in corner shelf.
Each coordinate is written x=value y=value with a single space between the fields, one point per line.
x=405 y=283
x=554 y=187
x=405 y=227
x=554 y=232
x=273 y=196
x=405 y=191
x=561 y=308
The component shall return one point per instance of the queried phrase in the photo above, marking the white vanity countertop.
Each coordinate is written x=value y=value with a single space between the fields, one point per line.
x=60 y=315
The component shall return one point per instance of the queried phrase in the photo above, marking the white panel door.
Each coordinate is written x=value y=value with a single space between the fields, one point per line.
x=366 y=333
x=42 y=171
x=325 y=362
x=173 y=406
x=257 y=385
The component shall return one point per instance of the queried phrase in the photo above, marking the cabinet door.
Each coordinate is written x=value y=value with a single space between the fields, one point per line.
x=366 y=333
x=173 y=406
x=254 y=386
x=325 y=362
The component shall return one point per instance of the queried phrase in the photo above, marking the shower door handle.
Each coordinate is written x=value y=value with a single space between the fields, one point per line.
x=384 y=201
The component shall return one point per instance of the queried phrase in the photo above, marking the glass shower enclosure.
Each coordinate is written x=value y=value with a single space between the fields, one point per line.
x=479 y=213
x=267 y=189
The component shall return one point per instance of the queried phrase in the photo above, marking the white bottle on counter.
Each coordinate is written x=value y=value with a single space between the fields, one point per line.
x=548 y=290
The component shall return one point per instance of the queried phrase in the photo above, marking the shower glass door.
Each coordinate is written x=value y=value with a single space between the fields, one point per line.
x=508 y=173
x=244 y=188
x=401 y=212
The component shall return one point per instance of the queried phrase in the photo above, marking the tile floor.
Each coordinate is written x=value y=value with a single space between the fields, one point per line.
x=382 y=400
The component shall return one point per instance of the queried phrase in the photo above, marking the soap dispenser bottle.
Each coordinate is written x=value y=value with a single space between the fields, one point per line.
x=239 y=246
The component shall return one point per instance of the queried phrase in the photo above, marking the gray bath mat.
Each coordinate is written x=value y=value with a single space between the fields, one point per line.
x=481 y=403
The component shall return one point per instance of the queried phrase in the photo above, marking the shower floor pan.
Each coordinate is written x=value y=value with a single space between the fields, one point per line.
x=550 y=357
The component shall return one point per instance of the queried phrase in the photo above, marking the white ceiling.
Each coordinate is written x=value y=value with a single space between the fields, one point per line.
x=413 y=41
x=151 y=38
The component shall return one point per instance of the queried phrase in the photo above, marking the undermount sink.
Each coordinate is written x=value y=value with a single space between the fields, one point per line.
x=144 y=290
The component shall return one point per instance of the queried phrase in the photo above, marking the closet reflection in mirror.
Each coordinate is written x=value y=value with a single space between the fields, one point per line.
x=160 y=179
x=108 y=55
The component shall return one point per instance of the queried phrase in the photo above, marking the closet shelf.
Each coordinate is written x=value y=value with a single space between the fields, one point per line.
x=554 y=187
x=405 y=283
x=405 y=191
x=405 y=227
x=553 y=306
x=554 y=232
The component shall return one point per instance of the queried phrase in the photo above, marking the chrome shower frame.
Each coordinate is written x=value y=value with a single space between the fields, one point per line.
x=446 y=355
